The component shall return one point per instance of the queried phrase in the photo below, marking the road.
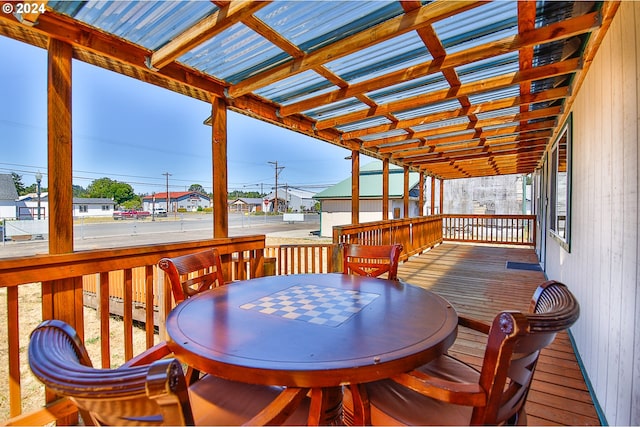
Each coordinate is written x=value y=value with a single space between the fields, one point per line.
x=107 y=233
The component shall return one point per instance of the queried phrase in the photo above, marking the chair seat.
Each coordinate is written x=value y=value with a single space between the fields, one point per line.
x=394 y=404
x=216 y=401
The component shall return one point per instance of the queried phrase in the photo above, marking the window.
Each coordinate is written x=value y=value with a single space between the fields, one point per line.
x=560 y=187
x=83 y=208
x=106 y=207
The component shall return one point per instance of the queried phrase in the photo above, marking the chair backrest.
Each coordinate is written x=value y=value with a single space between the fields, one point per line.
x=372 y=261
x=152 y=394
x=514 y=344
x=193 y=273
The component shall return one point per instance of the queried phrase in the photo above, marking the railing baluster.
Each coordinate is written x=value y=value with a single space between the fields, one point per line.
x=128 y=313
x=15 y=400
x=103 y=314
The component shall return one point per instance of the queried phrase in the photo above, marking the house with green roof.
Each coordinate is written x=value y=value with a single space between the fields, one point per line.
x=335 y=201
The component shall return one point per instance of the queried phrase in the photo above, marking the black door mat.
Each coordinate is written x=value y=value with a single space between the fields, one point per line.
x=524 y=266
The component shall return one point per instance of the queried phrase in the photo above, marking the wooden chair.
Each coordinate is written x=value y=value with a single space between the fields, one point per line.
x=193 y=273
x=189 y=275
x=446 y=391
x=372 y=261
x=151 y=389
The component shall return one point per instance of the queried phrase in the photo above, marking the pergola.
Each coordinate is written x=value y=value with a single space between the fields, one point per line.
x=451 y=89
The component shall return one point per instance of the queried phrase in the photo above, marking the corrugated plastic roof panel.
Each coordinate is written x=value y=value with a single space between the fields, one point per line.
x=488 y=68
x=363 y=124
x=336 y=109
x=469 y=28
x=147 y=23
x=400 y=52
x=310 y=27
x=428 y=109
x=239 y=51
x=297 y=88
x=409 y=89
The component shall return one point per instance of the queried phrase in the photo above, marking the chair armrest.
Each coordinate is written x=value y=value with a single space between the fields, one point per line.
x=468 y=394
x=474 y=324
x=281 y=408
x=152 y=354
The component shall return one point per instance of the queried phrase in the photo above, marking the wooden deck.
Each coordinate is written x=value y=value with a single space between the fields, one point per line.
x=478 y=284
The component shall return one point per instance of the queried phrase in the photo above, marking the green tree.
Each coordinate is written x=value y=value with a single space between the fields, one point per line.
x=79 y=191
x=197 y=188
x=120 y=192
x=17 y=181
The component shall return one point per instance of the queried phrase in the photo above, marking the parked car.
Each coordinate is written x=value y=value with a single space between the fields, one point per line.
x=131 y=214
x=160 y=212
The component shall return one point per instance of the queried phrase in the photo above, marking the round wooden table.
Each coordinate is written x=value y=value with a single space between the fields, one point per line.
x=312 y=330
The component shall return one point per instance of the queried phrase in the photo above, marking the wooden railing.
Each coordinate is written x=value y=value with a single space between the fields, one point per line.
x=303 y=258
x=497 y=229
x=127 y=278
x=126 y=281
x=415 y=234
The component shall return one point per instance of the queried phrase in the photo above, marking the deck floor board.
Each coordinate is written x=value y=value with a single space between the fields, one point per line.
x=476 y=281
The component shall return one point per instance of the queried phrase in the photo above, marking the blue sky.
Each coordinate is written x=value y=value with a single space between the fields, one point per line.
x=134 y=132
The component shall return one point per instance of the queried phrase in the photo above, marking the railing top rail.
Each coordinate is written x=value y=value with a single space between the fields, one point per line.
x=384 y=223
x=16 y=271
x=497 y=216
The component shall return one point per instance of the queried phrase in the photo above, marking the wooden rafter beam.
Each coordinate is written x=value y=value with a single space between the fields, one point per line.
x=495 y=149
x=486 y=107
x=526 y=23
x=519 y=117
x=538 y=137
x=490 y=153
x=471 y=88
x=426 y=15
x=459 y=128
x=553 y=32
x=202 y=31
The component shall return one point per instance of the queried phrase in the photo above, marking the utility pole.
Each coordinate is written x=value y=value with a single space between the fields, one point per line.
x=168 y=200
x=277 y=172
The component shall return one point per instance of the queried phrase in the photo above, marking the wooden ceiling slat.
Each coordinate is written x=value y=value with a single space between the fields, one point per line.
x=410 y=21
x=553 y=32
x=208 y=27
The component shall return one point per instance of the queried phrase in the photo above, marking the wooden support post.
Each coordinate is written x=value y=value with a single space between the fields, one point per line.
x=421 y=195
x=355 y=187
x=219 y=150
x=61 y=299
x=433 y=195
x=59 y=145
x=441 y=196
x=406 y=193
x=385 y=189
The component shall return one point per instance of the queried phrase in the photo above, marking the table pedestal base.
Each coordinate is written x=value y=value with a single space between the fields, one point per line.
x=326 y=406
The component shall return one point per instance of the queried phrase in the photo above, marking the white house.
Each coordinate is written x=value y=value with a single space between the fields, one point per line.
x=85 y=207
x=335 y=201
x=8 y=196
x=27 y=206
x=190 y=201
x=291 y=200
x=246 y=204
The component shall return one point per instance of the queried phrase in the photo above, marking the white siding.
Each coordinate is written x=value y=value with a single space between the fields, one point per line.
x=602 y=267
x=338 y=212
